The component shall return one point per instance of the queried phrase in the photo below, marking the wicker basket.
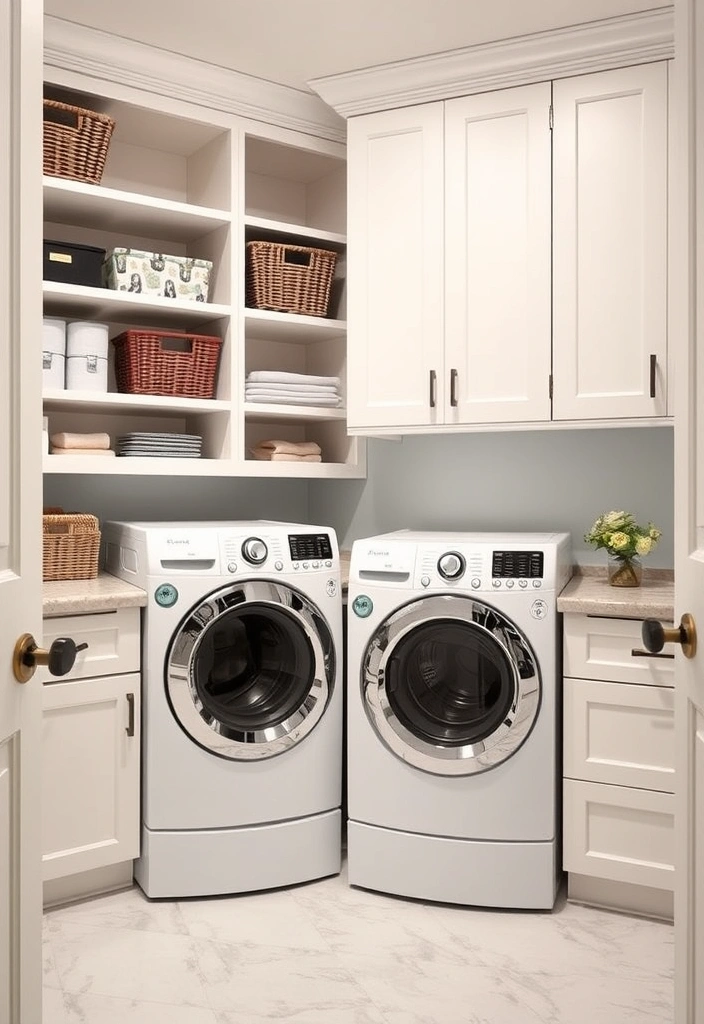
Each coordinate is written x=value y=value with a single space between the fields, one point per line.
x=71 y=547
x=164 y=363
x=289 y=278
x=76 y=142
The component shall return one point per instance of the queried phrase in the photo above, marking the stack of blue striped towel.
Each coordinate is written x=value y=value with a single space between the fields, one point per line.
x=277 y=387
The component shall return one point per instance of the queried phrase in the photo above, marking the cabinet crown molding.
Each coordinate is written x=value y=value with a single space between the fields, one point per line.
x=78 y=48
x=523 y=60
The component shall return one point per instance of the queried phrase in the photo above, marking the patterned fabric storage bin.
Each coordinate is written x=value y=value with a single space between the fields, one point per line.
x=150 y=273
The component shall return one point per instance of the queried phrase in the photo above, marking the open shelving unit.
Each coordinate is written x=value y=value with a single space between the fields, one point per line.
x=202 y=184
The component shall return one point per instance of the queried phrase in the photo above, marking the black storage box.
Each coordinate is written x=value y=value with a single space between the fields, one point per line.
x=73 y=264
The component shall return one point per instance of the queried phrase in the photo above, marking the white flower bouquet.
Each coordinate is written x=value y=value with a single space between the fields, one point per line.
x=625 y=542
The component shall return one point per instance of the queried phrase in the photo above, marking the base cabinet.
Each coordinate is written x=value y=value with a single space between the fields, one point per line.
x=91 y=756
x=619 y=752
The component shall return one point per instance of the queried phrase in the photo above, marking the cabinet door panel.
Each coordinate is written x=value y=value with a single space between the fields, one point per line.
x=619 y=833
x=90 y=766
x=610 y=243
x=497 y=255
x=621 y=734
x=597 y=647
x=395 y=267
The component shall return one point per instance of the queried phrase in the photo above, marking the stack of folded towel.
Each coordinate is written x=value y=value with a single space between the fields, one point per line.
x=287 y=451
x=80 y=444
x=277 y=387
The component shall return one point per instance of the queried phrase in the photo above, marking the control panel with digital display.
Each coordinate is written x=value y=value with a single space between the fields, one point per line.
x=517 y=564
x=309 y=545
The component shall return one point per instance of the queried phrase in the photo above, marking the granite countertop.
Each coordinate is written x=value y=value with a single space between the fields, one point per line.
x=589 y=593
x=105 y=593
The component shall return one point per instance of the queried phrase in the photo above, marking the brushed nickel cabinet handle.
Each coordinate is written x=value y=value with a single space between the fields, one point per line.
x=653 y=370
x=433 y=388
x=453 y=388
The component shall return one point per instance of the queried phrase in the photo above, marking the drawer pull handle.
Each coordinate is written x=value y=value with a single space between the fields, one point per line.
x=432 y=397
x=635 y=653
x=130 y=714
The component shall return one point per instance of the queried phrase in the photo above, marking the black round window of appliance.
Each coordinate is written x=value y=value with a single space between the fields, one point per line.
x=449 y=683
x=253 y=668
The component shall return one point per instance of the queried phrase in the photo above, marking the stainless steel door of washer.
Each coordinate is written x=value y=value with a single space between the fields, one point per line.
x=250 y=670
x=451 y=685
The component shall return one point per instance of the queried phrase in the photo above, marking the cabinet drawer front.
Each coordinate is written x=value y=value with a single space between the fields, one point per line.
x=623 y=834
x=600 y=648
x=112 y=638
x=620 y=733
x=90 y=799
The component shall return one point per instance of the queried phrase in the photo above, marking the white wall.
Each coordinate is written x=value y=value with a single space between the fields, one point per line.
x=178 y=498
x=533 y=480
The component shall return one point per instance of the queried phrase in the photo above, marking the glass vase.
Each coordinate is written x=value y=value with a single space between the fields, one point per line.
x=625 y=572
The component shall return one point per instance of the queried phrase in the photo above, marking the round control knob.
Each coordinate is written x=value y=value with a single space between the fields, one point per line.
x=451 y=566
x=254 y=551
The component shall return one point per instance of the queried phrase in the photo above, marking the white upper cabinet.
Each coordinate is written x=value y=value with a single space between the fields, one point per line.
x=610 y=244
x=395 y=270
x=497 y=256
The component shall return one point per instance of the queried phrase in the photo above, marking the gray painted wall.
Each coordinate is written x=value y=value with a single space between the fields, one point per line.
x=527 y=480
x=178 y=498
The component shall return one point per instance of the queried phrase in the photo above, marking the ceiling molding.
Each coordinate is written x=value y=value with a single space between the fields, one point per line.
x=111 y=58
x=596 y=46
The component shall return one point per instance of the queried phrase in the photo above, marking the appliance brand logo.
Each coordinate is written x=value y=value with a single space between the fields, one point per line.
x=177 y=540
x=379 y=551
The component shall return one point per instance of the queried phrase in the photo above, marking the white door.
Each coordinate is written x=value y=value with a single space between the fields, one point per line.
x=20 y=506
x=610 y=244
x=395 y=268
x=687 y=326
x=497 y=256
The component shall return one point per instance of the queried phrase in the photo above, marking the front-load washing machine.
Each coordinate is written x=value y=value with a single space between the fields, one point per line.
x=453 y=680
x=242 y=702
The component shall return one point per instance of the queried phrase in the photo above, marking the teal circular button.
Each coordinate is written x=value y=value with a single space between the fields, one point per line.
x=166 y=595
x=362 y=606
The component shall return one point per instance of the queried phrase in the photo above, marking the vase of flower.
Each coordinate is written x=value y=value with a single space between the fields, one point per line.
x=625 y=572
x=625 y=543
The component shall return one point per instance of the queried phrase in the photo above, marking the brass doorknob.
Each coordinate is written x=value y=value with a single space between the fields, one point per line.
x=655 y=635
x=59 y=659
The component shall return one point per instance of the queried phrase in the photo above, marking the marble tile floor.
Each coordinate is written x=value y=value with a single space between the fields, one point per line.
x=324 y=953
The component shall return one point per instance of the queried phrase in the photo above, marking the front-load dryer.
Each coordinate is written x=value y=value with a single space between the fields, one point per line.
x=453 y=678
x=242 y=702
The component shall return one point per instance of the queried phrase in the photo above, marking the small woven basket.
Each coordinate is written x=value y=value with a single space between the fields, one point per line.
x=163 y=363
x=76 y=142
x=289 y=278
x=71 y=547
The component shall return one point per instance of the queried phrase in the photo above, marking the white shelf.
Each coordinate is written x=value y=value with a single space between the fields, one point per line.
x=93 y=206
x=265 y=413
x=282 y=231
x=126 y=307
x=312 y=470
x=266 y=325
x=55 y=400
x=93 y=466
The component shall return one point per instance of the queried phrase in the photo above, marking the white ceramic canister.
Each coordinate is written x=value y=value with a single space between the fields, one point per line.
x=53 y=352
x=86 y=356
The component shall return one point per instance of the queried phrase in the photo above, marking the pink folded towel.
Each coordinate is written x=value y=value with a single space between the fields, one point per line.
x=66 y=440
x=287 y=448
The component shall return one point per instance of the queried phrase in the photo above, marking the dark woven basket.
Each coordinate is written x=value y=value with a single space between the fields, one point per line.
x=71 y=547
x=76 y=142
x=166 y=363
x=289 y=278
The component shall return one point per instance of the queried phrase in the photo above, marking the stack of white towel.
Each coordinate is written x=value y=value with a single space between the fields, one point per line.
x=287 y=451
x=277 y=387
x=81 y=444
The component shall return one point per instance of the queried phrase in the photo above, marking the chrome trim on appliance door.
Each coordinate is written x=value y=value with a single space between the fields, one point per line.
x=198 y=722
x=511 y=646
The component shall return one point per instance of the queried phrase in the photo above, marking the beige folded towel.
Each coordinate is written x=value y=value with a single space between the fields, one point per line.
x=57 y=450
x=84 y=441
x=287 y=448
x=283 y=456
